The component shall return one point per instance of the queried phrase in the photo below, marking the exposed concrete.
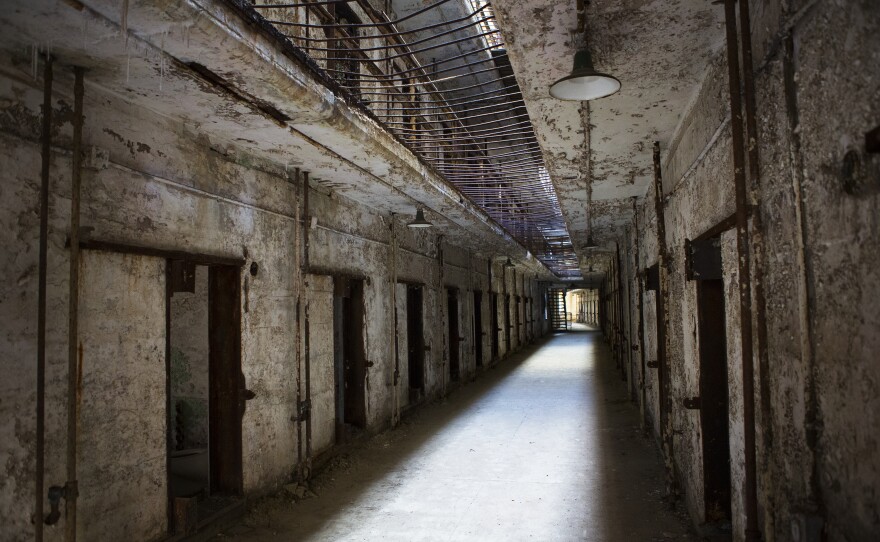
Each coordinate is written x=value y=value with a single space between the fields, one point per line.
x=815 y=234
x=150 y=65
x=163 y=183
x=659 y=51
x=176 y=163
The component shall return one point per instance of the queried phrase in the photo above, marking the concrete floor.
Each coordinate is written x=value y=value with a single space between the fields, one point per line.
x=544 y=447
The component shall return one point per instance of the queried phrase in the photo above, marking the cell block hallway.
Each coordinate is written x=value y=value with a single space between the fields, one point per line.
x=547 y=446
x=439 y=270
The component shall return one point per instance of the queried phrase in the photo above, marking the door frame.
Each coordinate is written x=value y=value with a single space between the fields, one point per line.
x=234 y=266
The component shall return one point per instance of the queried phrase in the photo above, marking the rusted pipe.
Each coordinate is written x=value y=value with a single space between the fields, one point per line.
x=74 y=378
x=307 y=352
x=438 y=307
x=642 y=387
x=626 y=325
x=663 y=323
x=395 y=377
x=299 y=284
x=46 y=150
x=744 y=278
x=622 y=339
x=758 y=243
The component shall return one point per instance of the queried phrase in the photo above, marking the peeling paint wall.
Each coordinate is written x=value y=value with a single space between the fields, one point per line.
x=166 y=185
x=814 y=403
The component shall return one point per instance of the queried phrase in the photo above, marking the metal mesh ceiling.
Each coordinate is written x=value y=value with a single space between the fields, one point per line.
x=437 y=76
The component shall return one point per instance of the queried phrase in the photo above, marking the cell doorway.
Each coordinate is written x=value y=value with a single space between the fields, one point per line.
x=206 y=392
x=415 y=342
x=350 y=364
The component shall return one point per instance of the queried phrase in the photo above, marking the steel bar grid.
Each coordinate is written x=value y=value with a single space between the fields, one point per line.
x=460 y=110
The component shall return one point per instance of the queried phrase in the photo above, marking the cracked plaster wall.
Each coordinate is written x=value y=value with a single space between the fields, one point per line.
x=816 y=427
x=166 y=185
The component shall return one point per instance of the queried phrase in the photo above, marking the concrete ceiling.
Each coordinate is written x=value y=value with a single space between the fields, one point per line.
x=659 y=49
x=149 y=61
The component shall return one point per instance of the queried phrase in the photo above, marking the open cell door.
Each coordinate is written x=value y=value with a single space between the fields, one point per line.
x=494 y=327
x=415 y=341
x=453 y=334
x=350 y=358
x=478 y=328
x=703 y=265
x=227 y=391
x=207 y=393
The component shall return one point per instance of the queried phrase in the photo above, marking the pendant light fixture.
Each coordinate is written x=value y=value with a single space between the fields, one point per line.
x=584 y=82
x=419 y=221
x=509 y=264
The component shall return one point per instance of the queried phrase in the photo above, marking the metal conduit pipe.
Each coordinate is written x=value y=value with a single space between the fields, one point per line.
x=758 y=246
x=744 y=272
x=395 y=377
x=632 y=336
x=642 y=386
x=307 y=354
x=46 y=150
x=663 y=325
x=74 y=354
x=618 y=301
x=299 y=222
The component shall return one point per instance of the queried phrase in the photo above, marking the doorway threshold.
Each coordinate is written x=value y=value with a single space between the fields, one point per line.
x=221 y=517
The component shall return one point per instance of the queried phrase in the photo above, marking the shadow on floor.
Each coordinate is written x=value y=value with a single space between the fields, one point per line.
x=545 y=446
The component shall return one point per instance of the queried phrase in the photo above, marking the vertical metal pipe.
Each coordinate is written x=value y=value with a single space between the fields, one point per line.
x=299 y=286
x=439 y=307
x=663 y=323
x=395 y=378
x=46 y=141
x=73 y=367
x=621 y=330
x=629 y=319
x=307 y=354
x=758 y=245
x=745 y=294
x=642 y=387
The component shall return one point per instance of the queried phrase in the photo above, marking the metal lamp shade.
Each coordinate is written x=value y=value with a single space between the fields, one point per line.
x=419 y=221
x=584 y=83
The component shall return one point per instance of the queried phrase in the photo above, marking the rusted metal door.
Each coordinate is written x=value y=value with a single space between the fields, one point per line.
x=493 y=315
x=478 y=328
x=703 y=264
x=350 y=347
x=227 y=393
x=453 y=332
x=714 y=400
x=415 y=341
